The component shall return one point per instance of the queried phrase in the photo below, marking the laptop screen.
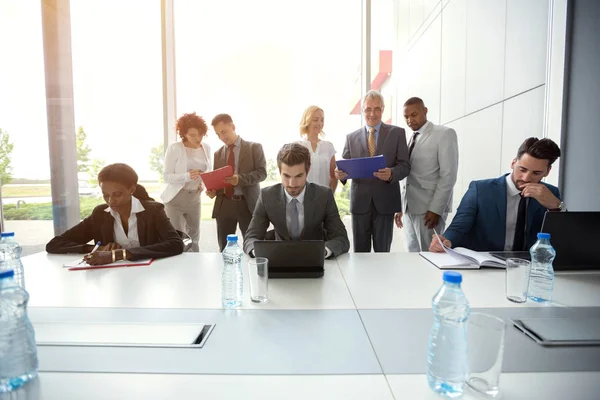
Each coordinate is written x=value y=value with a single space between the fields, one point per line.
x=287 y=253
x=575 y=235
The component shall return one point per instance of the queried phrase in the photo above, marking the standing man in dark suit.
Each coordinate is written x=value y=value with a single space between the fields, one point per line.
x=373 y=201
x=234 y=205
x=506 y=213
x=298 y=210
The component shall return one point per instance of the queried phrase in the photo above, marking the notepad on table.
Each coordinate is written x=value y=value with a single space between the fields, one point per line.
x=214 y=180
x=560 y=331
x=361 y=167
x=461 y=258
x=78 y=265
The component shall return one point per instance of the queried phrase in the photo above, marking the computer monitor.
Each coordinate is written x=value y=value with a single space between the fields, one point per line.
x=292 y=259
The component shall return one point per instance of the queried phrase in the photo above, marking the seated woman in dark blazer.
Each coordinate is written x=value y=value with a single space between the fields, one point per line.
x=131 y=225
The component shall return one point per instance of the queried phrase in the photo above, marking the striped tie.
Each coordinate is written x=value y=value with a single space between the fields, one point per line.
x=371 y=142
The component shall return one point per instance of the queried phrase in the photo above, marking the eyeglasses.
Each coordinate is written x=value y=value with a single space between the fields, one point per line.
x=376 y=110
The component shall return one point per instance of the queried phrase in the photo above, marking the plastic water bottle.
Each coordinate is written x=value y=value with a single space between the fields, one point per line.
x=541 y=276
x=18 y=353
x=10 y=257
x=447 y=361
x=232 y=278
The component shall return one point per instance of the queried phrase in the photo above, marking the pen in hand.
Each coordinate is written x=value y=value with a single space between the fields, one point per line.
x=93 y=250
x=439 y=240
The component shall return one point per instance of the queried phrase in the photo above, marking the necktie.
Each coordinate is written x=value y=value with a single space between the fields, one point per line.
x=230 y=161
x=295 y=225
x=371 y=142
x=519 y=241
x=413 y=141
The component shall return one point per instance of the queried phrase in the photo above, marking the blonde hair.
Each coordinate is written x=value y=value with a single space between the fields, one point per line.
x=307 y=118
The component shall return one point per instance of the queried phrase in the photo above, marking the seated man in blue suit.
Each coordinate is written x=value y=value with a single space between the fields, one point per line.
x=506 y=213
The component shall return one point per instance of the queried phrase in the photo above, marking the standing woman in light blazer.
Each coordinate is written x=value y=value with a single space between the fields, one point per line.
x=322 y=152
x=184 y=162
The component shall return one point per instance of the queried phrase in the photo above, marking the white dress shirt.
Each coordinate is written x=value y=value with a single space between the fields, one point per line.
x=320 y=162
x=512 y=210
x=132 y=239
x=196 y=159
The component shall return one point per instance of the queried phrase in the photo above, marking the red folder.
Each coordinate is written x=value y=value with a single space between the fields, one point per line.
x=118 y=264
x=214 y=180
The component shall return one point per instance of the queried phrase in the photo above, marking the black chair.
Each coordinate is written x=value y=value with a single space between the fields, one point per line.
x=187 y=240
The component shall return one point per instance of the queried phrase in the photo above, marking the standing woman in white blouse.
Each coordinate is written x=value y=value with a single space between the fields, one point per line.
x=184 y=162
x=322 y=153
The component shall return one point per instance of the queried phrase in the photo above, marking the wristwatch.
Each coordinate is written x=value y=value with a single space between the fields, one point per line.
x=561 y=208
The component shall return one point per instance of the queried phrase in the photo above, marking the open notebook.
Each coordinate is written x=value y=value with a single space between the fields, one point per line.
x=461 y=258
x=78 y=265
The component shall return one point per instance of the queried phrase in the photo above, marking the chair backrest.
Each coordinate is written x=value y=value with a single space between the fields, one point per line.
x=187 y=240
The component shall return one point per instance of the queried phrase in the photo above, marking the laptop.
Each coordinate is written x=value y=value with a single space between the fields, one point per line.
x=574 y=235
x=292 y=259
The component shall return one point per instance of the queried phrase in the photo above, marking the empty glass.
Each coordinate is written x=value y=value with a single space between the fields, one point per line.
x=258 y=272
x=485 y=334
x=517 y=279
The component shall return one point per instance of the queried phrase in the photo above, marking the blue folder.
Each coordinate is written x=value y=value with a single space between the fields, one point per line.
x=361 y=167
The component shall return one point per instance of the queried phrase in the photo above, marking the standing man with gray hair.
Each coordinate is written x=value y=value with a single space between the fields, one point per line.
x=427 y=191
x=373 y=201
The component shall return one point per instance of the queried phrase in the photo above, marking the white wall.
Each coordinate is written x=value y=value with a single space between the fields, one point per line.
x=480 y=67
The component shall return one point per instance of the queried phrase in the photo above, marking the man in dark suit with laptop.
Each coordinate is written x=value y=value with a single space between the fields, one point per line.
x=506 y=213
x=297 y=209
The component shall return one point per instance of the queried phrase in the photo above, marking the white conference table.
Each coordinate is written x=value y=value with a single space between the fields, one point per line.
x=189 y=284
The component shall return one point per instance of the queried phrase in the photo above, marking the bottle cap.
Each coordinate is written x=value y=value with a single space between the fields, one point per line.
x=7 y=274
x=452 y=277
x=7 y=234
x=542 y=235
x=232 y=238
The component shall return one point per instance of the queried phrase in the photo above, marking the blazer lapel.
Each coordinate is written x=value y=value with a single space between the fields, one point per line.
x=108 y=228
x=141 y=226
x=425 y=134
x=244 y=156
x=309 y=198
x=500 y=196
x=383 y=132
x=363 y=141
x=280 y=214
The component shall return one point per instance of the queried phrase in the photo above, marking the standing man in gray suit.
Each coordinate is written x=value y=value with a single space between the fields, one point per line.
x=427 y=191
x=298 y=210
x=373 y=201
x=235 y=204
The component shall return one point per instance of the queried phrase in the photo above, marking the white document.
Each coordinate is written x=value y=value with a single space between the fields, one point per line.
x=461 y=258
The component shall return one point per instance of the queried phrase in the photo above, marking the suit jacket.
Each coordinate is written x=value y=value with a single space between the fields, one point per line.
x=433 y=169
x=176 y=173
x=391 y=143
x=321 y=218
x=480 y=221
x=252 y=169
x=157 y=236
